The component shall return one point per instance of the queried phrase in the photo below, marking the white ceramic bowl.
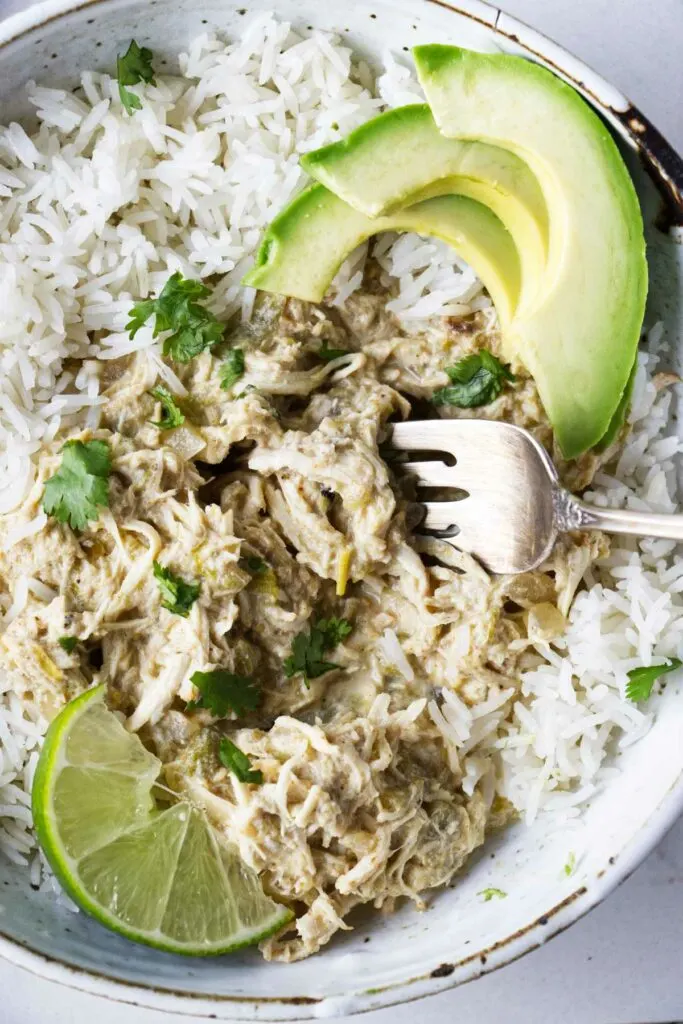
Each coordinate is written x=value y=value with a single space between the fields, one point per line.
x=407 y=955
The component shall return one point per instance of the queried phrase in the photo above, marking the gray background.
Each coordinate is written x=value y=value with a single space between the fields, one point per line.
x=623 y=963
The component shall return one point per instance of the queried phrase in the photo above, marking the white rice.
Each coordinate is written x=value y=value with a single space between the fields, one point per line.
x=192 y=179
x=21 y=733
x=551 y=749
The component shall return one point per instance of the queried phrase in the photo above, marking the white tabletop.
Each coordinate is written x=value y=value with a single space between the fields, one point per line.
x=622 y=963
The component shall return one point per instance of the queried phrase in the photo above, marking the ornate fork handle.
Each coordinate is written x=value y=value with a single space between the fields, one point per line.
x=573 y=514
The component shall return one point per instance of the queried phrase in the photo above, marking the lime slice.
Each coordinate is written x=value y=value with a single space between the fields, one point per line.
x=160 y=877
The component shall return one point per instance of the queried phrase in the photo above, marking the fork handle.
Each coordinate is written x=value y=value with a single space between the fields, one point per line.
x=573 y=514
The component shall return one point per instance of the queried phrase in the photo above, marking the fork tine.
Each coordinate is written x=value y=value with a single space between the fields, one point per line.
x=465 y=474
x=431 y=474
x=474 y=518
x=478 y=520
x=467 y=517
x=440 y=515
x=419 y=435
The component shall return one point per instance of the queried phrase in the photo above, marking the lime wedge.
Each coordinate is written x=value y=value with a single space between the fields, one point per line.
x=161 y=877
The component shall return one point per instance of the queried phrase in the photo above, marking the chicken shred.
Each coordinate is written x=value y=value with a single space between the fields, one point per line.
x=365 y=797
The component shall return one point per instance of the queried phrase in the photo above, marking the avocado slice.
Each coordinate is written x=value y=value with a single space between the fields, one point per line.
x=401 y=157
x=309 y=240
x=619 y=418
x=579 y=339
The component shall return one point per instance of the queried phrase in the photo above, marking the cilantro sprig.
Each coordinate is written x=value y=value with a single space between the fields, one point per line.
x=177 y=309
x=68 y=643
x=308 y=649
x=221 y=692
x=475 y=380
x=177 y=595
x=80 y=485
x=641 y=680
x=236 y=761
x=134 y=66
x=171 y=414
x=492 y=893
x=233 y=368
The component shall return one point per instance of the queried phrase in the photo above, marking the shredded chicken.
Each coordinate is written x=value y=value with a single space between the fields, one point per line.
x=364 y=797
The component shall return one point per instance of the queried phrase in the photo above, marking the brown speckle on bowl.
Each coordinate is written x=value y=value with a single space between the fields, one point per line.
x=442 y=971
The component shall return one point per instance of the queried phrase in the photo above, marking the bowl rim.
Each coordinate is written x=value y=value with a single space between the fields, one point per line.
x=665 y=168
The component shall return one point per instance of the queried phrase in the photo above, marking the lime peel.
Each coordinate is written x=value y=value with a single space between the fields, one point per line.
x=159 y=877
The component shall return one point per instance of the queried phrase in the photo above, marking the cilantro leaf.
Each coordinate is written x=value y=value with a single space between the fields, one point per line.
x=80 y=484
x=334 y=630
x=307 y=657
x=475 y=380
x=222 y=692
x=176 y=309
x=189 y=342
x=328 y=354
x=68 y=643
x=236 y=761
x=570 y=865
x=641 y=680
x=490 y=893
x=171 y=414
x=308 y=649
x=139 y=315
x=233 y=368
x=134 y=66
x=254 y=564
x=176 y=595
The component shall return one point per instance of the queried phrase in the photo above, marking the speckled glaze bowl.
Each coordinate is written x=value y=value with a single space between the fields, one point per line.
x=384 y=960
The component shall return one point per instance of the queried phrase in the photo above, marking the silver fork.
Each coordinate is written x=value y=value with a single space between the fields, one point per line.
x=515 y=506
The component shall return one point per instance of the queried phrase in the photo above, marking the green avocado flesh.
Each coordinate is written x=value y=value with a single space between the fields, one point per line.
x=401 y=157
x=308 y=241
x=619 y=418
x=578 y=337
